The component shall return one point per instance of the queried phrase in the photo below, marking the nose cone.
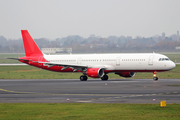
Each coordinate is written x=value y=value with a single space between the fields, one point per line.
x=172 y=65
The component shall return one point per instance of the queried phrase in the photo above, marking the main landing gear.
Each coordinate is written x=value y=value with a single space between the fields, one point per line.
x=83 y=78
x=104 y=77
x=155 y=78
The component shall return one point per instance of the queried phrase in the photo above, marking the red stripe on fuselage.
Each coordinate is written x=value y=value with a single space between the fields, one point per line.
x=58 y=68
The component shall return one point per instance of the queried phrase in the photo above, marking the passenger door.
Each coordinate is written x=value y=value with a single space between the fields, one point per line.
x=118 y=61
x=150 y=61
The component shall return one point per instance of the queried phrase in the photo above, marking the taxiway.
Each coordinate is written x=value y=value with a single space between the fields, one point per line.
x=91 y=91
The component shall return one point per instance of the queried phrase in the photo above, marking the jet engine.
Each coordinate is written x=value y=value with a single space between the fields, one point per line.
x=95 y=72
x=126 y=74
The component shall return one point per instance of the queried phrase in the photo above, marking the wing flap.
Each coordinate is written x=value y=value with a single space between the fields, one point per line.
x=63 y=64
x=75 y=67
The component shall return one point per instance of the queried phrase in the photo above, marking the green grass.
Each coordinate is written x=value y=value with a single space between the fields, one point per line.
x=11 y=55
x=30 y=72
x=88 y=111
x=174 y=57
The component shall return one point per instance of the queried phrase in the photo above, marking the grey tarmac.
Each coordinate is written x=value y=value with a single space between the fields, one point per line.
x=91 y=91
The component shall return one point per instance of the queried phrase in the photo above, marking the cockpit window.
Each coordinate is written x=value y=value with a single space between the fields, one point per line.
x=163 y=59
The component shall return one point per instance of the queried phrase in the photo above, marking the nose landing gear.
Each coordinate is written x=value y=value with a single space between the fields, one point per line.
x=155 y=78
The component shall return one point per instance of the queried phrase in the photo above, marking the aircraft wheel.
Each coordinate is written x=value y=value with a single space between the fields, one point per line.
x=104 y=78
x=155 y=78
x=83 y=78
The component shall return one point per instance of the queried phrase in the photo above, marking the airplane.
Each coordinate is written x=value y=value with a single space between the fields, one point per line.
x=95 y=65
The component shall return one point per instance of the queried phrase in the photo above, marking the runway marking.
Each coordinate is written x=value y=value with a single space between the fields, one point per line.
x=84 y=101
x=100 y=98
x=13 y=91
x=123 y=81
x=139 y=95
x=59 y=93
x=116 y=97
x=104 y=95
x=6 y=90
x=175 y=92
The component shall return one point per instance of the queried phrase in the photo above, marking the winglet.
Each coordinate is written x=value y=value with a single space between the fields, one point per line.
x=30 y=47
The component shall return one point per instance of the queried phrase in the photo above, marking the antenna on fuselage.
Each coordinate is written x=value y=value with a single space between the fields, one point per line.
x=70 y=53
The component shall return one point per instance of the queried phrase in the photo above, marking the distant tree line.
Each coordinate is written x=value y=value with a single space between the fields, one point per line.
x=96 y=44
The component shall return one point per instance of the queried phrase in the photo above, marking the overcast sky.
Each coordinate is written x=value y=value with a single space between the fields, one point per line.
x=60 y=18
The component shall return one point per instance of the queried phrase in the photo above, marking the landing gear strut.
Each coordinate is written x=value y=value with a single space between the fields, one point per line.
x=104 y=77
x=155 y=78
x=83 y=78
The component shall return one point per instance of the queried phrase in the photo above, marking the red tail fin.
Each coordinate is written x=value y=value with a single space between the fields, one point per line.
x=30 y=47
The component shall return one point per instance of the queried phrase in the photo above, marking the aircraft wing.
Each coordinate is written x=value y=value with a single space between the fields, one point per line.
x=75 y=67
x=65 y=65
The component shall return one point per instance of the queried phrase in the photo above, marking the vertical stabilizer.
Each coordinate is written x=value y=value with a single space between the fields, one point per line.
x=30 y=47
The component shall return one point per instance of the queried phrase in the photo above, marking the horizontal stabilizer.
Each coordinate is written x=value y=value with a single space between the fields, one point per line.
x=18 y=59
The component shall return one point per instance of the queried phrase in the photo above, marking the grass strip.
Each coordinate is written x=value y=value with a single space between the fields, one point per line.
x=30 y=72
x=11 y=55
x=88 y=111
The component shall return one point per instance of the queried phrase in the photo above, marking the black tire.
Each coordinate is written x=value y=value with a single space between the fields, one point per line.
x=83 y=78
x=155 y=78
x=104 y=78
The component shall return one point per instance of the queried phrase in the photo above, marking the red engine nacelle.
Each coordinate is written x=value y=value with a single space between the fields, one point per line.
x=126 y=74
x=95 y=72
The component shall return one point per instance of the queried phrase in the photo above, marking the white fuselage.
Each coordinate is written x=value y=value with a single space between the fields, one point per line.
x=136 y=62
